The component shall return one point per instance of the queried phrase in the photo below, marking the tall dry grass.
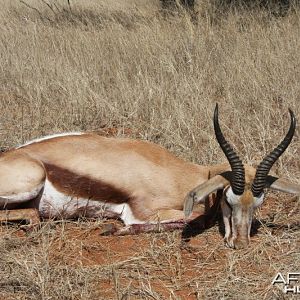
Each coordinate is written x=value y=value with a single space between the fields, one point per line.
x=121 y=64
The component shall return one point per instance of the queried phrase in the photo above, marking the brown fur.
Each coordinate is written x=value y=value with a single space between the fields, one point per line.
x=150 y=174
x=247 y=198
x=80 y=186
x=19 y=173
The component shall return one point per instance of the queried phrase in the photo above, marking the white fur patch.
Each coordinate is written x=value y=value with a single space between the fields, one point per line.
x=53 y=203
x=259 y=200
x=231 y=197
x=126 y=213
x=56 y=204
x=21 y=197
x=48 y=137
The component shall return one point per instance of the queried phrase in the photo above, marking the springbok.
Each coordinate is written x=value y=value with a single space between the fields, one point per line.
x=84 y=174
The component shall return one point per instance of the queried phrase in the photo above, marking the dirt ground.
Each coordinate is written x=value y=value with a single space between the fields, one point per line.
x=67 y=255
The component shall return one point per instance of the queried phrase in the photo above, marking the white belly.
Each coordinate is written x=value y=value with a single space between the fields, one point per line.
x=54 y=204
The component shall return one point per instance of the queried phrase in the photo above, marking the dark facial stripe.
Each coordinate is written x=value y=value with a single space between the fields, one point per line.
x=79 y=186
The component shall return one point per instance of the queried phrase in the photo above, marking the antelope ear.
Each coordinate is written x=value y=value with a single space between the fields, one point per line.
x=198 y=194
x=282 y=185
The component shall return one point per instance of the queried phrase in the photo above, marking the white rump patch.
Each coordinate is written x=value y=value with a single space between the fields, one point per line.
x=48 y=137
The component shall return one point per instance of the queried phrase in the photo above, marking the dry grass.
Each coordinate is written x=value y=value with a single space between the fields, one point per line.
x=119 y=66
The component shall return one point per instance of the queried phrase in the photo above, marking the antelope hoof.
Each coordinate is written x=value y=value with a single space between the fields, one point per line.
x=228 y=242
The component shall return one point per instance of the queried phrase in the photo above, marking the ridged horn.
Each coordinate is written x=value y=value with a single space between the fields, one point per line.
x=264 y=167
x=237 y=167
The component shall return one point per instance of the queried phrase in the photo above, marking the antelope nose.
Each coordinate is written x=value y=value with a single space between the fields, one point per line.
x=241 y=243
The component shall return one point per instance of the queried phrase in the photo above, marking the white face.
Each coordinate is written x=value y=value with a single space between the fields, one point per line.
x=237 y=215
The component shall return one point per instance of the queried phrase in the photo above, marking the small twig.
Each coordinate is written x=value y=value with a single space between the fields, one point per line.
x=49 y=5
x=34 y=8
x=69 y=5
x=54 y=4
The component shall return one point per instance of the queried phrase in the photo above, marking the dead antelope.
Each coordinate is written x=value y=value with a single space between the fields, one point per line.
x=84 y=174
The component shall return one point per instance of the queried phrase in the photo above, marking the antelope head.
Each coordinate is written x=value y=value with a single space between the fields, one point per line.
x=243 y=192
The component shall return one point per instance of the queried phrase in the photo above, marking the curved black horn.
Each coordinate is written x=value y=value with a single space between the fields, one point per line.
x=264 y=167
x=237 y=167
